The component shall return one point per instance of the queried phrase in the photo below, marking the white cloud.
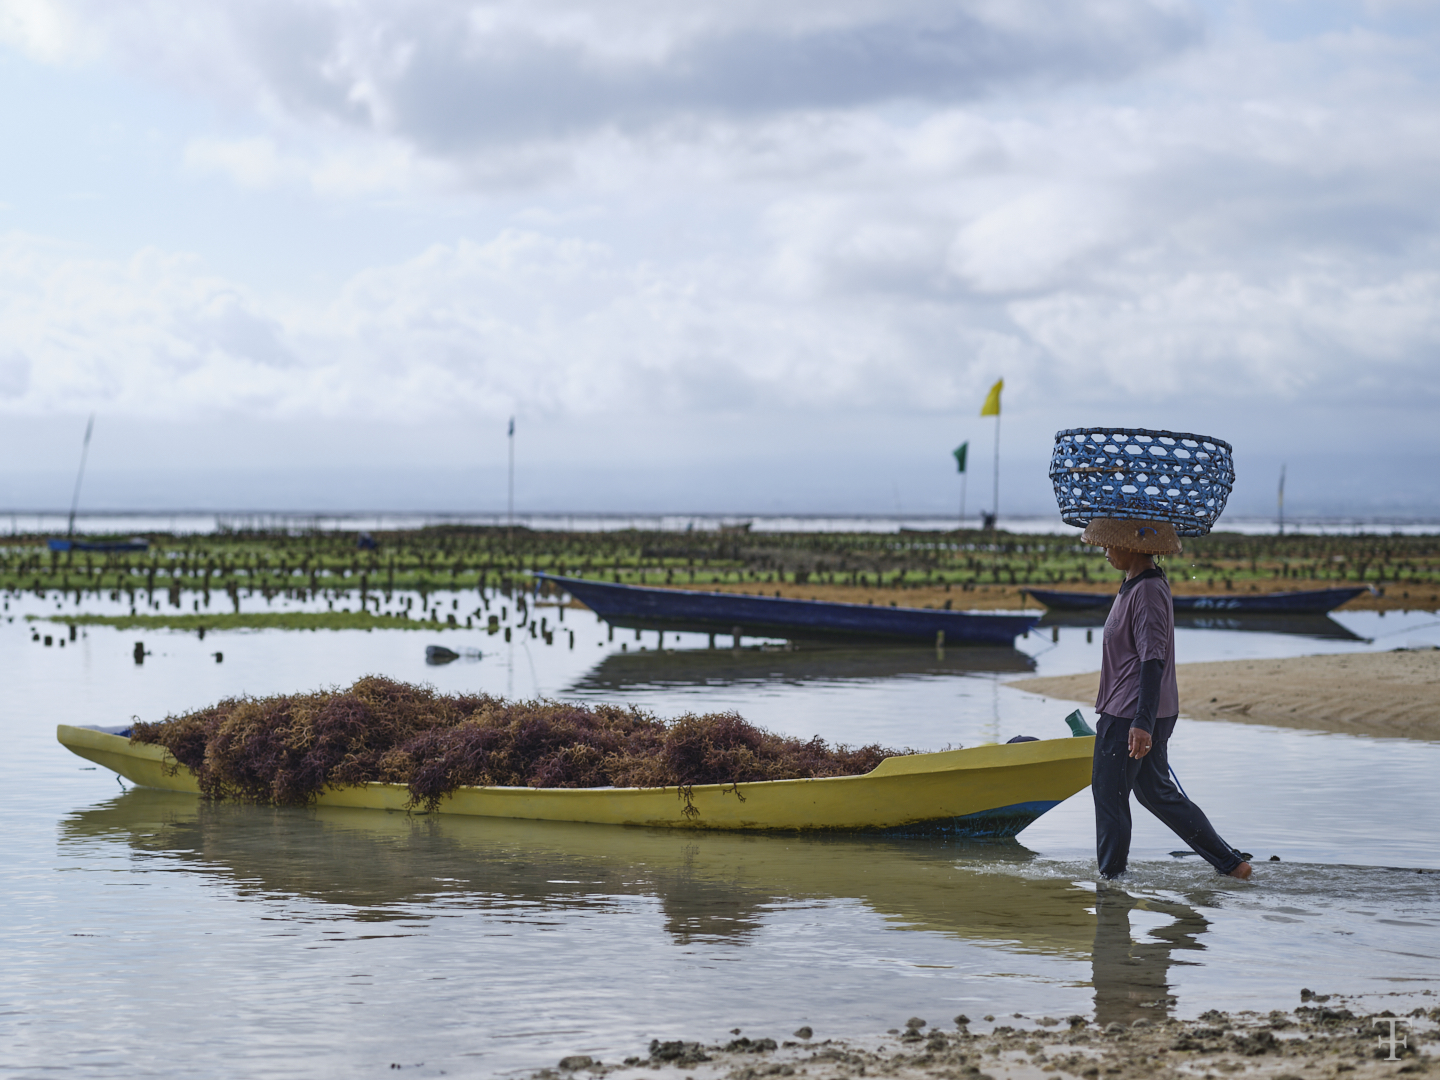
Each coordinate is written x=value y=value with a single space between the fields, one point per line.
x=724 y=208
x=1317 y=337
x=50 y=31
x=567 y=327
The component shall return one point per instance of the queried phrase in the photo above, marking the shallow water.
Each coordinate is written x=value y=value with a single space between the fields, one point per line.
x=150 y=934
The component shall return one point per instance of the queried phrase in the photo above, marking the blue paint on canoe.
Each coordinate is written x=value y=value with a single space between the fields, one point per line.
x=646 y=607
x=1000 y=823
x=1309 y=602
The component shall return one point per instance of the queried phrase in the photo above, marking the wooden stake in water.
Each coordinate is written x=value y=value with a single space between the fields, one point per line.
x=84 y=453
x=510 y=503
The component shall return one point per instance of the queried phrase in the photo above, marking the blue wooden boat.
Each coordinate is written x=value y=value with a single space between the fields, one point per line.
x=135 y=543
x=648 y=608
x=1309 y=602
x=1314 y=626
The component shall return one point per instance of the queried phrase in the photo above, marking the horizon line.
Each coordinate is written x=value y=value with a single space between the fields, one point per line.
x=1297 y=519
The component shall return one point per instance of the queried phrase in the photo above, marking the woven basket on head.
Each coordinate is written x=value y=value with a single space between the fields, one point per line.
x=1135 y=474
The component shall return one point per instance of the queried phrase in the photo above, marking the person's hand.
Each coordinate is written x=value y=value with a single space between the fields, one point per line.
x=1139 y=743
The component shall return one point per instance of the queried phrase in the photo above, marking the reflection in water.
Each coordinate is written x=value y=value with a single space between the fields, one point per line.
x=1132 y=978
x=723 y=667
x=388 y=866
x=1315 y=626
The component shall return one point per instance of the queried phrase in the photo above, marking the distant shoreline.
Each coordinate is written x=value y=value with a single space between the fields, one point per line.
x=54 y=522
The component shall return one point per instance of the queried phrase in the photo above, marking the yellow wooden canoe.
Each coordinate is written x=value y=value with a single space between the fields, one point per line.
x=992 y=790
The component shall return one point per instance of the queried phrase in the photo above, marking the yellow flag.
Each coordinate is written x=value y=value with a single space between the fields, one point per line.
x=992 y=400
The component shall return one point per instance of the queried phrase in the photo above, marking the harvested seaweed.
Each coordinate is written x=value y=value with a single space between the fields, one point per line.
x=287 y=748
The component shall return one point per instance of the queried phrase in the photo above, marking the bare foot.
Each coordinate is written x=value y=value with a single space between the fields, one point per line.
x=1243 y=871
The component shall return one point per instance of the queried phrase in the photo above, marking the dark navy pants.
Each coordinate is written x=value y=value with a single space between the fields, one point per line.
x=1114 y=774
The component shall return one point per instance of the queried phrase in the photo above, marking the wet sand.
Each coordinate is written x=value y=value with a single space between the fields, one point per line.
x=1390 y=694
x=1325 y=1037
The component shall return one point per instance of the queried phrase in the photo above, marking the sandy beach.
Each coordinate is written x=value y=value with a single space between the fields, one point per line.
x=1389 y=694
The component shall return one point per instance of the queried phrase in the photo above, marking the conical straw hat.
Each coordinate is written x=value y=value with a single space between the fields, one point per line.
x=1146 y=537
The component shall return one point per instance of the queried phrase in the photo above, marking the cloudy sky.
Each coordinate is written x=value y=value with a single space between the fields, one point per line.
x=724 y=256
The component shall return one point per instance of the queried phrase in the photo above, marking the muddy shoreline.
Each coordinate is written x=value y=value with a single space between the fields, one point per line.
x=1321 y=1035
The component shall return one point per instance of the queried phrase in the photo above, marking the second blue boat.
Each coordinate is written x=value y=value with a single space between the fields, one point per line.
x=646 y=607
x=1309 y=602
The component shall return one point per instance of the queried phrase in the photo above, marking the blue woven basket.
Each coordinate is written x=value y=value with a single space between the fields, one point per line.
x=1132 y=473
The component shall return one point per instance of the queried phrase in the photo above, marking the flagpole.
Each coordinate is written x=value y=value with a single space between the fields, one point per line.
x=510 y=504
x=995 y=511
x=992 y=408
x=963 y=478
x=84 y=453
x=996 y=502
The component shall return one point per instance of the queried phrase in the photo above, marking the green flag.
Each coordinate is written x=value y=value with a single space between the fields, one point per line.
x=960 y=452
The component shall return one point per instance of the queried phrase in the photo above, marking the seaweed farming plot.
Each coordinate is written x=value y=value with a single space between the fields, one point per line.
x=495 y=614
x=966 y=568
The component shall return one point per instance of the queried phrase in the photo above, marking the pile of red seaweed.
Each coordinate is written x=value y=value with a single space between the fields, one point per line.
x=286 y=749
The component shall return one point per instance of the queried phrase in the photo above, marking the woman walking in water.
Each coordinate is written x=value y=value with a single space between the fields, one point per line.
x=1138 y=704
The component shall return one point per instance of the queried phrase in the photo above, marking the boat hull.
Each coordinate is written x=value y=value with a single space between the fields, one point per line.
x=1308 y=602
x=649 y=608
x=1315 y=626
x=134 y=544
x=983 y=791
